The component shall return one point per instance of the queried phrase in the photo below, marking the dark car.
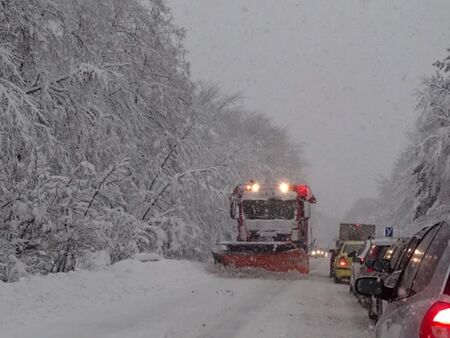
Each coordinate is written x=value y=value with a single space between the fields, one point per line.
x=375 y=249
x=419 y=294
x=392 y=259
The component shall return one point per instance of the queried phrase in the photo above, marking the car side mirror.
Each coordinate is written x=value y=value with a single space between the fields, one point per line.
x=373 y=286
x=234 y=209
x=369 y=286
x=381 y=265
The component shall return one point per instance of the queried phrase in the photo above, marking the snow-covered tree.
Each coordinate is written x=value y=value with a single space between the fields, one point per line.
x=107 y=144
x=418 y=190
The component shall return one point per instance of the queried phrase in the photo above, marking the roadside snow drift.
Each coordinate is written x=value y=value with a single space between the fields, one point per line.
x=169 y=298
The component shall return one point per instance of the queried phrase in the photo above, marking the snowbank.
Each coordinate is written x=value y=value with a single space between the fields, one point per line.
x=178 y=299
x=56 y=296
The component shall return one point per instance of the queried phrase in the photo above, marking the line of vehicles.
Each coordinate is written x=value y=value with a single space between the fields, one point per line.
x=403 y=283
x=351 y=240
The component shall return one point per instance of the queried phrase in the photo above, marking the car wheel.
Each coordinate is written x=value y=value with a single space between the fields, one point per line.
x=337 y=280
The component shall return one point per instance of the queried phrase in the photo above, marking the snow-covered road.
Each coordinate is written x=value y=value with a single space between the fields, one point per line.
x=179 y=299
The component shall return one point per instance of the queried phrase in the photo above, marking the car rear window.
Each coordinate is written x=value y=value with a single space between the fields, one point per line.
x=426 y=258
x=431 y=259
x=407 y=253
x=413 y=264
x=395 y=252
x=377 y=251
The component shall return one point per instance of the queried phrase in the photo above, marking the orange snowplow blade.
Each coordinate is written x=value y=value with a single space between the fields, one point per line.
x=273 y=256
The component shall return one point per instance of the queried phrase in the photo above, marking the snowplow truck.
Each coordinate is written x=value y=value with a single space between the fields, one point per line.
x=272 y=228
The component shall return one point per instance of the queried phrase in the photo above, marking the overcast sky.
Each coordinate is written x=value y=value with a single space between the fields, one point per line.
x=339 y=74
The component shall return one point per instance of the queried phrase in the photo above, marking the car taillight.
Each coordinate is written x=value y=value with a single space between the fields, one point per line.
x=436 y=323
x=342 y=261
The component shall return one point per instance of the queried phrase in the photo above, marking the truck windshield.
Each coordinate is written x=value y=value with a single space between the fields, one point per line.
x=269 y=209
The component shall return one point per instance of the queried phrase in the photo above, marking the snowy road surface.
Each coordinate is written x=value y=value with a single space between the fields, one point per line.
x=179 y=299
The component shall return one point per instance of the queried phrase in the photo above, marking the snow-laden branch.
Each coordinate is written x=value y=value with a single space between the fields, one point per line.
x=174 y=179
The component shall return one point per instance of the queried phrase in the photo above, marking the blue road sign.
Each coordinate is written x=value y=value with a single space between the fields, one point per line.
x=388 y=231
